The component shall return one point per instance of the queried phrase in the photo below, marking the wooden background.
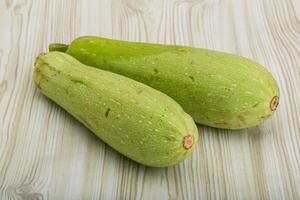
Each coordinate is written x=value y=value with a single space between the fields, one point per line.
x=46 y=154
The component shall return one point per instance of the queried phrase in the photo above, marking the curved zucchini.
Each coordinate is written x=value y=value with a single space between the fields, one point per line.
x=135 y=119
x=217 y=89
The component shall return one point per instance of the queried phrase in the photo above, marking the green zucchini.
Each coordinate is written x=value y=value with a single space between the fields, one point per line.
x=217 y=89
x=135 y=119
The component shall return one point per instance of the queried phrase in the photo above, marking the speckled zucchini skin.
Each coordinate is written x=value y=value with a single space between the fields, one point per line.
x=135 y=119
x=217 y=89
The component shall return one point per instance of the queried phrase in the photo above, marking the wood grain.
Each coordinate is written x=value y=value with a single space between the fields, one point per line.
x=46 y=154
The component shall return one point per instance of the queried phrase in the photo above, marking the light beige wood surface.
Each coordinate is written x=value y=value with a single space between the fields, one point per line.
x=46 y=154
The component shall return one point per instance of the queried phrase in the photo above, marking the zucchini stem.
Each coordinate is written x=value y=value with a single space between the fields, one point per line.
x=58 y=47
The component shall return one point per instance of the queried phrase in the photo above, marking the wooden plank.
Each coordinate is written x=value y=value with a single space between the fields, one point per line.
x=46 y=154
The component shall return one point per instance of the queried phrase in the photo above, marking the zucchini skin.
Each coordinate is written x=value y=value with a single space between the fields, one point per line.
x=217 y=89
x=136 y=120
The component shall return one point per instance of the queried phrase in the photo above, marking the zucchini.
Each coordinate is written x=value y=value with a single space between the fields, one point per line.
x=135 y=119
x=217 y=89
